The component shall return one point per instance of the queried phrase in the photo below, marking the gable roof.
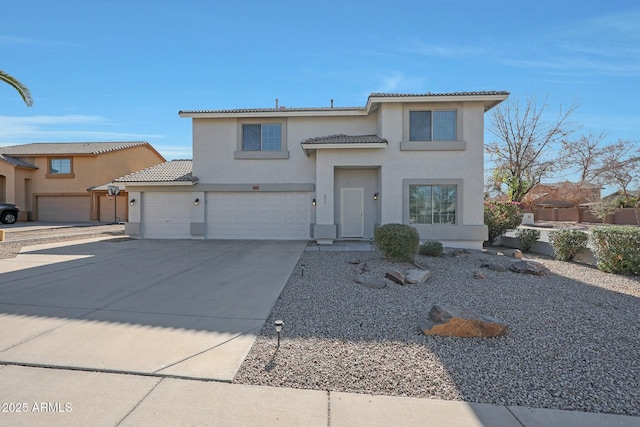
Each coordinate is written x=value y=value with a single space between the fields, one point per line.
x=17 y=162
x=173 y=171
x=490 y=99
x=61 y=148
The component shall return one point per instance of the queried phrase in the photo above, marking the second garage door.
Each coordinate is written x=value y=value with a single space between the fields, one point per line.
x=277 y=215
x=64 y=208
x=167 y=215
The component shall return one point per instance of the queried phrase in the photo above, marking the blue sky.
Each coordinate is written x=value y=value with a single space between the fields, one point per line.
x=121 y=70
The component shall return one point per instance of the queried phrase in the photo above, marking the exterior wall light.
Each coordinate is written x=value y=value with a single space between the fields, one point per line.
x=132 y=202
x=313 y=202
x=375 y=196
x=278 y=324
x=196 y=202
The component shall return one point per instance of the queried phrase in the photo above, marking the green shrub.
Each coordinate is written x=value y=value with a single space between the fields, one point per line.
x=527 y=237
x=501 y=217
x=567 y=243
x=431 y=248
x=617 y=249
x=397 y=241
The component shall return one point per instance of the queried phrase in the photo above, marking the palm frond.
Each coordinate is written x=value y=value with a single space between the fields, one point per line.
x=22 y=89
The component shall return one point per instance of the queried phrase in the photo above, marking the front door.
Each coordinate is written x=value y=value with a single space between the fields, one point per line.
x=352 y=215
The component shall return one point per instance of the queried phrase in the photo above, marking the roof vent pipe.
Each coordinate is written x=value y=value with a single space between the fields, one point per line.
x=332 y=103
x=276 y=103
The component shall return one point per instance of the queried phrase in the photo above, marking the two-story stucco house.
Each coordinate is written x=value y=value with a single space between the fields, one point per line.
x=327 y=173
x=49 y=181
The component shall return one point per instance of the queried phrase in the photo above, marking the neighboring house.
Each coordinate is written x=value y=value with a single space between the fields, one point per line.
x=49 y=181
x=562 y=194
x=327 y=173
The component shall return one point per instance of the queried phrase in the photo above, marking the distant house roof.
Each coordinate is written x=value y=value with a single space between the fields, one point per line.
x=173 y=171
x=490 y=98
x=61 y=148
x=17 y=162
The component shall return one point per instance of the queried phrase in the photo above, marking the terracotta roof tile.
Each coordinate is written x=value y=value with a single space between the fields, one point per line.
x=345 y=139
x=172 y=171
x=49 y=148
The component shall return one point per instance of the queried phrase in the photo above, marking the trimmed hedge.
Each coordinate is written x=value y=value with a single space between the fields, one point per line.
x=617 y=249
x=567 y=243
x=397 y=242
x=431 y=248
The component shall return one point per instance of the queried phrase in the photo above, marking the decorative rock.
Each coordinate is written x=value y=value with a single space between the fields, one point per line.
x=478 y=275
x=396 y=276
x=529 y=267
x=354 y=261
x=452 y=321
x=516 y=253
x=459 y=251
x=494 y=267
x=371 y=283
x=362 y=267
x=415 y=276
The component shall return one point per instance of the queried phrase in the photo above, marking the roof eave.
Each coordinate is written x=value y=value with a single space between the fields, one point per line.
x=489 y=100
x=338 y=146
x=279 y=113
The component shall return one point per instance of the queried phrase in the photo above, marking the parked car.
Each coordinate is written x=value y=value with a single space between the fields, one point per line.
x=8 y=213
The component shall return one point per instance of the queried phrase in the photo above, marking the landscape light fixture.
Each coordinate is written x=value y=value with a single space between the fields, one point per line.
x=195 y=202
x=278 y=324
x=132 y=202
x=313 y=202
x=302 y=266
x=375 y=196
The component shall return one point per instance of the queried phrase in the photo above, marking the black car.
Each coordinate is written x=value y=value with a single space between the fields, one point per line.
x=8 y=213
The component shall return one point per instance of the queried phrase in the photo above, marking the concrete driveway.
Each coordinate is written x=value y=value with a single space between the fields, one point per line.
x=166 y=307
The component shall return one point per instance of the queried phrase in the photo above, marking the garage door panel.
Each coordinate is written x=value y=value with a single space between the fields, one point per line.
x=64 y=208
x=166 y=215
x=272 y=215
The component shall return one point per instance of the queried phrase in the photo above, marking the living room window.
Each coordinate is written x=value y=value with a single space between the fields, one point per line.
x=60 y=167
x=437 y=125
x=262 y=137
x=432 y=204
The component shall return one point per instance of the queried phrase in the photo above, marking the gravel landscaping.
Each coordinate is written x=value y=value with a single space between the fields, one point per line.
x=573 y=340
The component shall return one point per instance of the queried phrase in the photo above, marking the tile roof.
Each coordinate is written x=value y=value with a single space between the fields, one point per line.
x=172 y=171
x=476 y=93
x=17 y=162
x=345 y=139
x=272 y=110
x=48 y=148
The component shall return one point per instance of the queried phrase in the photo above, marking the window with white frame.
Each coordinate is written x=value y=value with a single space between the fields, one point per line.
x=262 y=137
x=432 y=204
x=436 y=125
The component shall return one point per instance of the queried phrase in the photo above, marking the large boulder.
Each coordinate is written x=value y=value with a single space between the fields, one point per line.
x=453 y=321
x=529 y=267
x=396 y=276
x=415 y=276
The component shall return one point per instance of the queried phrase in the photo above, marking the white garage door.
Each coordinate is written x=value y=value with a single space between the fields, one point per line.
x=278 y=216
x=166 y=215
x=64 y=208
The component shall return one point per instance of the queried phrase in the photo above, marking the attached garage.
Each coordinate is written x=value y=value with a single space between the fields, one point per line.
x=166 y=215
x=64 y=208
x=112 y=208
x=264 y=215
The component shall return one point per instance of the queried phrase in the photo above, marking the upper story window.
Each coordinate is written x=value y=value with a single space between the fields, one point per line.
x=262 y=137
x=60 y=167
x=438 y=125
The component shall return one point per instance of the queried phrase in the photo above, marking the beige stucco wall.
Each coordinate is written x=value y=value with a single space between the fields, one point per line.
x=461 y=162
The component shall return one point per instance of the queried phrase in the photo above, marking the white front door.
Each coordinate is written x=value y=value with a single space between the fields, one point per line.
x=352 y=215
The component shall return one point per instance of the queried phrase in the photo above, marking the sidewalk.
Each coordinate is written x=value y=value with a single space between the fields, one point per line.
x=55 y=397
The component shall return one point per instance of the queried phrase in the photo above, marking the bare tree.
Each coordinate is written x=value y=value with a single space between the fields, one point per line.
x=15 y=83
x=527 y=144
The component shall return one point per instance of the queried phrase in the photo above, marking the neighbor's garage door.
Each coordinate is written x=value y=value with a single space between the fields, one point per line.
x=113 y=208
x=166 y=215
x=283 y=215
x=64 y=208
